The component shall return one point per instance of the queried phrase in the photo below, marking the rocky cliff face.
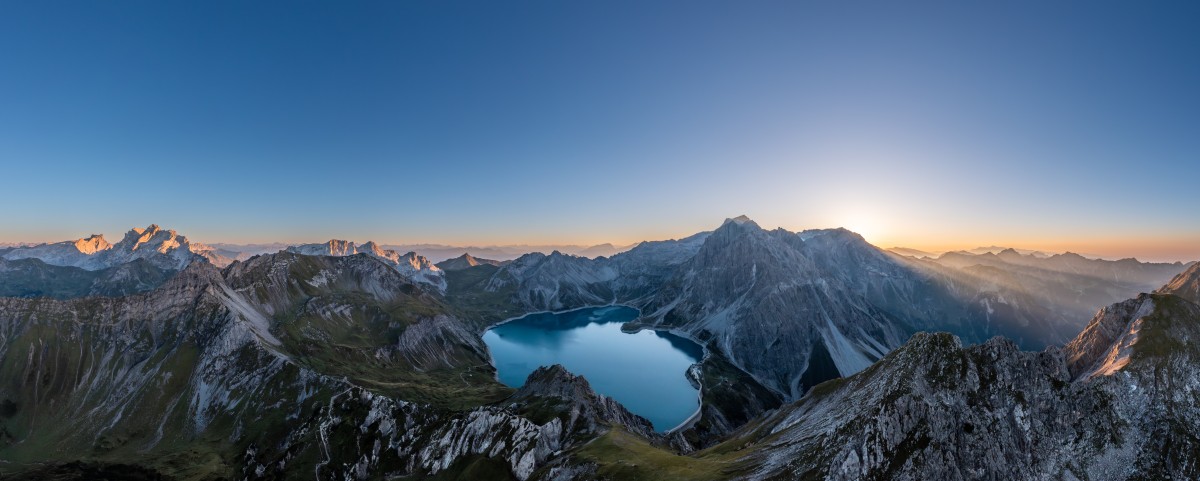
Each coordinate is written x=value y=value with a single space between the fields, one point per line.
x=762 y=299
x=1186 y=284
x=1089 y=353
x=934 y=409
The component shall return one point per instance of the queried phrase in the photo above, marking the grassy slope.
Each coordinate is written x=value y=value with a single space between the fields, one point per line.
x=341 y=331
x=473 y=303
x=621 y=455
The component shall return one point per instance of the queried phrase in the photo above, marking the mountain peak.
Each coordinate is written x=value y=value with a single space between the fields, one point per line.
x=465 y=261
x=370 y=247
x=92 y=244
x=740 y=220
x=737 y=226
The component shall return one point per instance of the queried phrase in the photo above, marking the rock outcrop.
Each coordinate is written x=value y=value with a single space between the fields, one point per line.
x=934 y=409
x=554 y=389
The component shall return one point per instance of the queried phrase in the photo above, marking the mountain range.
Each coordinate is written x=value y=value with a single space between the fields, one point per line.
x=162 y=248
x=440 y=252
x=411 y=265
x=826 y=358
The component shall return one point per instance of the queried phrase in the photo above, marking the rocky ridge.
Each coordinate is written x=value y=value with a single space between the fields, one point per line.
x=934 y=409
x=411 y=265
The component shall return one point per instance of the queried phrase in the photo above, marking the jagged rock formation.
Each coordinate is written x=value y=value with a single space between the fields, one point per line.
x=411 y=265
x=936 y=410
x=1091 y=353
x=554 y=412
x=164 y=249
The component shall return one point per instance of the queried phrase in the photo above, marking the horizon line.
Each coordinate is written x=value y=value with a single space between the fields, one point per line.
x=1106 y=248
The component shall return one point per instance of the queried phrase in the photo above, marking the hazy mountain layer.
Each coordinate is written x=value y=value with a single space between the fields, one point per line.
x=34 y=278
x=466 y=261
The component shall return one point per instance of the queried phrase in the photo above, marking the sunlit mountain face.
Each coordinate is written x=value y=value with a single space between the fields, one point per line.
x=496 y=241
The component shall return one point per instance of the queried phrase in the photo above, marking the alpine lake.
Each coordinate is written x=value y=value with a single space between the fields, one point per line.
x=646 y=371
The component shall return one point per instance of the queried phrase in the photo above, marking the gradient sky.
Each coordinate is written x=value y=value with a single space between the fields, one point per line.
x=929 y=124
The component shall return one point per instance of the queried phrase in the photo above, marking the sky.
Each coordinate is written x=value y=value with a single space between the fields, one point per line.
x=935 y=125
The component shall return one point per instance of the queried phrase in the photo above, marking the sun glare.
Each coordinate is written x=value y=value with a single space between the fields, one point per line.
x=865 y=226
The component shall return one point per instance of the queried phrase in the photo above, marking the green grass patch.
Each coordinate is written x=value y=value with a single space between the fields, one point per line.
x=625 y=456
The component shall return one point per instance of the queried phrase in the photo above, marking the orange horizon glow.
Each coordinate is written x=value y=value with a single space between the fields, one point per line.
x=1182 y=247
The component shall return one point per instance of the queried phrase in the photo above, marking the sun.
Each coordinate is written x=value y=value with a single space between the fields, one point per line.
x=869 y=228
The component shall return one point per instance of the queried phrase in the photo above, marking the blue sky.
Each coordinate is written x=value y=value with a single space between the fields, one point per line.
x=931 y=124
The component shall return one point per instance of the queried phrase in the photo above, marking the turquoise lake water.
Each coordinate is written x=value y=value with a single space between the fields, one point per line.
x=645 y=371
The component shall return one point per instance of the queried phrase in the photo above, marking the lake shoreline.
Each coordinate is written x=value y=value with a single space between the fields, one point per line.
x=691 y=373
